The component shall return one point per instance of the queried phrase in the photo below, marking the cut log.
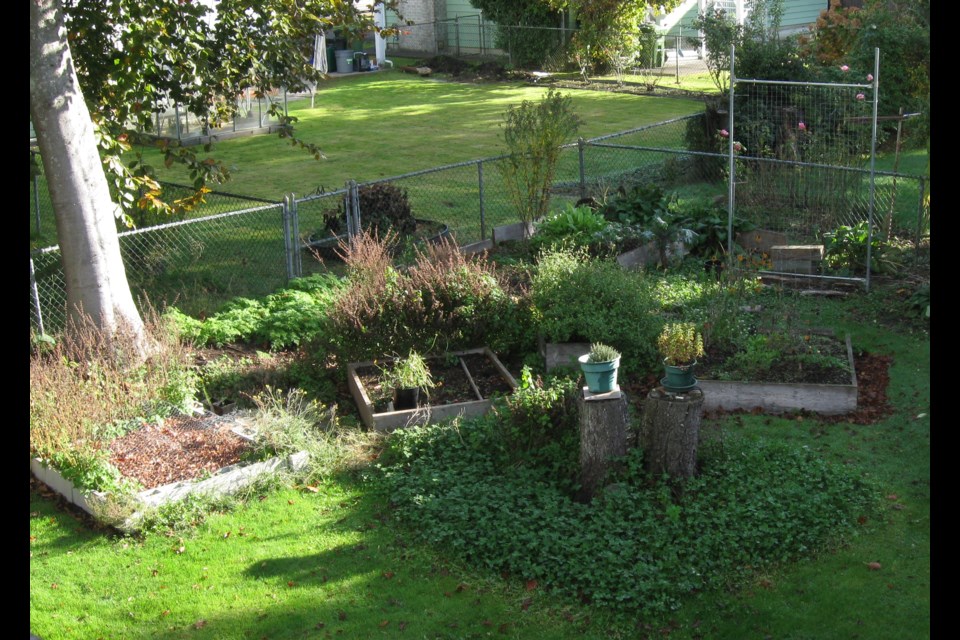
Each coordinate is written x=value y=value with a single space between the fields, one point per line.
x=670 y=432
x=604 y=438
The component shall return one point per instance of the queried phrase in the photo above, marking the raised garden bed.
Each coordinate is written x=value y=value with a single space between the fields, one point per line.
x=782 y=397
x=467 y=381
x=206 y=431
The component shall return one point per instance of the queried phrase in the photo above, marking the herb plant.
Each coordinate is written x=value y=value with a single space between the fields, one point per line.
x=680 y=343
x=600 y=352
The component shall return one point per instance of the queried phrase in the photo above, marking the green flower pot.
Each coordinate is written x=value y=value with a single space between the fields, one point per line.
x=601 y=377
x=679 y=378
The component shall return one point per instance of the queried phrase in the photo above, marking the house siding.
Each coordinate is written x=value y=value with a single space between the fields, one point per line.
x=800 y=15
x=442 y=26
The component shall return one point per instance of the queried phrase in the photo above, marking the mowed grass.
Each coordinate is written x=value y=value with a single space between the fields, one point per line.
x=391 y=123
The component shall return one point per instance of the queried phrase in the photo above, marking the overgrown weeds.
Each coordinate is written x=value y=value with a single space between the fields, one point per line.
x=80 y=393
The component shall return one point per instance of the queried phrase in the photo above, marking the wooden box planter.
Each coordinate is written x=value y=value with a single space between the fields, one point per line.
x=437 y=410
x=782 y=397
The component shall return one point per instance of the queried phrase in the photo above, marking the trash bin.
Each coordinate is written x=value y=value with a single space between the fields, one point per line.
x=331 y=59
x=344 y=59
x=360 y=61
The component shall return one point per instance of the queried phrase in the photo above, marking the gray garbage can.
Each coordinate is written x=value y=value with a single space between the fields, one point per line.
x=344 y=59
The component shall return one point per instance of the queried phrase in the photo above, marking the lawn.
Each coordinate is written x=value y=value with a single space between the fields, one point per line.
x=388 y=124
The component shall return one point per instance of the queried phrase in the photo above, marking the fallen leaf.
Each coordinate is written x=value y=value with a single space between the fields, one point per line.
x=893 y=496
x=463 y=586
x=384 y=623
x=54 y=586
x=862 y=520
x=388 y=574
x=291 y=583
x=873 y=566
x=289 y=501
x=199 y=624
x=311 y=489
x=181 y=549
x=165 y=612
x=531 y=585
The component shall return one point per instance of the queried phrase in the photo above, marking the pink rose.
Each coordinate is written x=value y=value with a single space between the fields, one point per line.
x=802 y=126
x=844 y=68
x=737 y=146
x=860 y=96
x=724 y=133
x=869 y=77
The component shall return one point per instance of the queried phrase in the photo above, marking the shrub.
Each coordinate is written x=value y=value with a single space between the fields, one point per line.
x=384 y=208
x=534 y=133
x=578 y=299
x=577 y=226
x=445 y=300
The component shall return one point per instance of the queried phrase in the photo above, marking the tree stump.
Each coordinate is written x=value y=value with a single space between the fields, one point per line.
x=604 y=437
x=670 y=432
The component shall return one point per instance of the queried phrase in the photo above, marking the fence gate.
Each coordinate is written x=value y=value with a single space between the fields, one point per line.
x=796 y=155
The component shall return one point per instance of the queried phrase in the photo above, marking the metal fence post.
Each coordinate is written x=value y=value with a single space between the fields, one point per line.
x=581 y=143
x=35 y=297
x=295 y=233
x=456 y=33
x=483 y=223
x=287 y=248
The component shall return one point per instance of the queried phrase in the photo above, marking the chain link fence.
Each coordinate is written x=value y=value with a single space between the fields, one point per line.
x=243 y=247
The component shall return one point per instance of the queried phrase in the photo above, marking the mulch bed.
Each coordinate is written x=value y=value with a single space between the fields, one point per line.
x=181 y=448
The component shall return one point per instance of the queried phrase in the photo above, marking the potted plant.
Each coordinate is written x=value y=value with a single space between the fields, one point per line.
x=680 y=344
x=407 y=377
x=599 y=367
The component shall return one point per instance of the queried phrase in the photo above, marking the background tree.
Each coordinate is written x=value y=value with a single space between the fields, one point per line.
x=603 y=26
x=99 y=72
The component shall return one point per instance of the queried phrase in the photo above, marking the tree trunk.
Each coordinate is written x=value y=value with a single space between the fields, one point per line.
x=604 y=436
x=670 y=432
x=96 y=280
